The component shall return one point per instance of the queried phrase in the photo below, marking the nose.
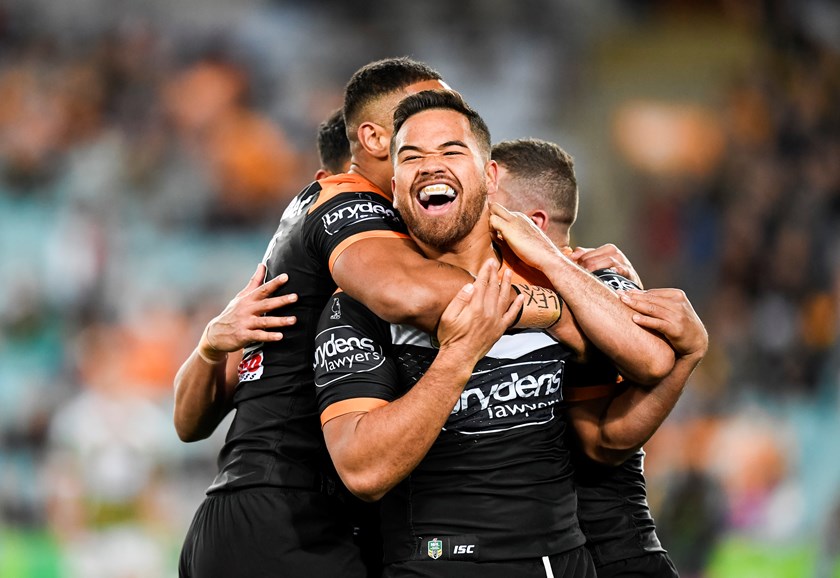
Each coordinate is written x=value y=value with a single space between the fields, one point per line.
x=432 y=165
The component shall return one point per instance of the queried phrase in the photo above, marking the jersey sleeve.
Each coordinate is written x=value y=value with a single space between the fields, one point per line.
x=594 y=379
x=344 y=217
x=353 y=369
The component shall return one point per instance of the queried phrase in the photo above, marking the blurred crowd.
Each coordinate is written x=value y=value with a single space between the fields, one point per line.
x=143 y=166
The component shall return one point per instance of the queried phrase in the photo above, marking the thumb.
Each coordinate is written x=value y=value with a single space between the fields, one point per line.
x=460 y=301
x=255 y=280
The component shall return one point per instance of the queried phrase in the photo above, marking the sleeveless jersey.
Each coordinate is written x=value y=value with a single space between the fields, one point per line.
x=497 y=483
x=275 y=438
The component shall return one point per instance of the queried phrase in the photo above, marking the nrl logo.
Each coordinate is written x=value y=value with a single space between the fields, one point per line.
x=336 y=309
x=435 y=548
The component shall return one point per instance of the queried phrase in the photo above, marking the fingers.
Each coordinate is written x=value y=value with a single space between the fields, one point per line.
x=461 y=300
x=272 y=303
x=255 y=280
x=499 y=211
x=272 y=285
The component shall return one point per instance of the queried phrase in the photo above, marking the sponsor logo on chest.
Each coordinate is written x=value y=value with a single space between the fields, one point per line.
x=510 y=396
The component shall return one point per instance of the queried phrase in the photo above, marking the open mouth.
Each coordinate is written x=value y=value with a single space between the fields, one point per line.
x=436 y=198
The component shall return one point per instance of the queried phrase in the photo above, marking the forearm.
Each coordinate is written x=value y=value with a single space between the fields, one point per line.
x=395 y=281
x=639 y=354
x=400 y=285
x=632 y=417
x=203 y=393
x=374 y=451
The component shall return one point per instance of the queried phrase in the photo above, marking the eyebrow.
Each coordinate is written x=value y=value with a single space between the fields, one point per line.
x=449 y=143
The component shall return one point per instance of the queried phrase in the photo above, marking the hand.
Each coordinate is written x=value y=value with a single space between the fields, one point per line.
x=526 y=239
x=605 y=257
x=479 y=314
x=243 y=321
x=669 y=312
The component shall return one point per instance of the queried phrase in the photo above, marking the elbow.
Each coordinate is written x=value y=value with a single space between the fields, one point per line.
x=657 y=365
x=612 y=450
x=186 y=435
x=187 y=431
x=365 y=486
x=610 y=455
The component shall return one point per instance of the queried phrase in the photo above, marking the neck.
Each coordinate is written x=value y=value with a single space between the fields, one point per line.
x=377 y=172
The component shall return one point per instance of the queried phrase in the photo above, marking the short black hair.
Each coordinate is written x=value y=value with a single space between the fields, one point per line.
x=381 y=78
x=440 y=99
x=547 y=169
x=333 y=146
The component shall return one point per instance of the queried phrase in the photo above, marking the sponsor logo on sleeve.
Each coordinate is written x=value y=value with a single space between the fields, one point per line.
x=356 y=211
x=342 y=351
x=614 y=280
x=251 y=366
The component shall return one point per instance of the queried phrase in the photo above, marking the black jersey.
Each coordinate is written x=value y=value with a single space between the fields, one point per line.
x=275 y=438
x=497 y=482
x=612 y=501
x=613 y=510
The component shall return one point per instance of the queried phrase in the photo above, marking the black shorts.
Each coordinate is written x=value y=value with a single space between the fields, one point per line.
x=272 y=532
x=653 y=565
x=575 y=563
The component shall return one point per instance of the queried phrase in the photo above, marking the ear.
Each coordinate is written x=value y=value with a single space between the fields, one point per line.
x=375 y=140
x=322 y=174
x=540 y=219
x=394 y=190
x=491 y=175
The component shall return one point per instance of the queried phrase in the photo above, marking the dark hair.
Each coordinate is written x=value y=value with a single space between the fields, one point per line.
x=381 y=78
x=547 y=169
x=333 y=146
x=440 y=99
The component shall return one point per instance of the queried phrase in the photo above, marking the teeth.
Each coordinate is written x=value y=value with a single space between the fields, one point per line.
x=427 y=192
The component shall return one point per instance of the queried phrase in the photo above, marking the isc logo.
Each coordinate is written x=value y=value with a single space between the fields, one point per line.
x=464 y=549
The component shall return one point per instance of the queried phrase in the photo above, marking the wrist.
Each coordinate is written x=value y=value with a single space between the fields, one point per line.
x=208 y=353
x=455 y=361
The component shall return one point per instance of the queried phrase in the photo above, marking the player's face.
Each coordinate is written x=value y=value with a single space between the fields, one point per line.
x=441 y=178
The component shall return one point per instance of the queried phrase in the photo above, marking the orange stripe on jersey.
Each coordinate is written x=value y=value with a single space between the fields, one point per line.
x=357 y=404
x=379 y=234
x=587 y=393
x=522 y=272
x=345 y=183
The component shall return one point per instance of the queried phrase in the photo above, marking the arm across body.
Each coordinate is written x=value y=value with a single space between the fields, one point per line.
x=373 y=450
x=399 y=284
x=205 y=383
x=640 y=354
x=611 y=430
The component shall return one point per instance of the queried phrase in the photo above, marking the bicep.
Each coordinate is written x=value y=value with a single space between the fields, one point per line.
x=398 y=283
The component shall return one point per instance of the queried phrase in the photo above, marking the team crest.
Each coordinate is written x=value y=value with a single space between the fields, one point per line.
x=435 y=548
x=336 y=309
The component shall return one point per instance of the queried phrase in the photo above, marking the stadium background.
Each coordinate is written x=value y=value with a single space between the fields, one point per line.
x=147 y=149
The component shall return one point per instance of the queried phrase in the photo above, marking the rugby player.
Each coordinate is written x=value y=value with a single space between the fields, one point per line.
x=472 y=464
x=275 y=504
x=537 y=178
x=333 y=146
